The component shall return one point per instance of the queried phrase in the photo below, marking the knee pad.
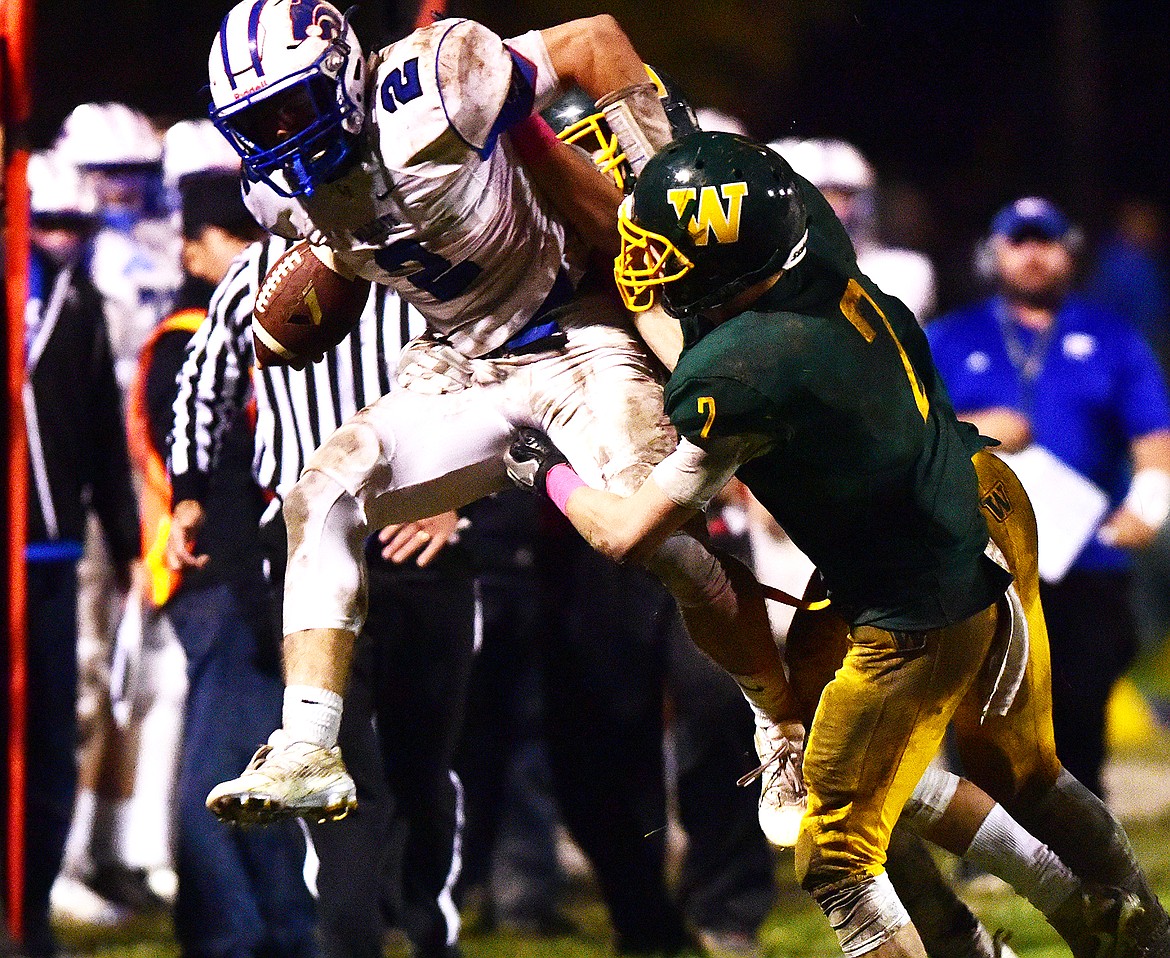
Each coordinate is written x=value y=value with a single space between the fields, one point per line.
x=349 y=457
x=864 y=913
x=325 y=582
x=688 y=570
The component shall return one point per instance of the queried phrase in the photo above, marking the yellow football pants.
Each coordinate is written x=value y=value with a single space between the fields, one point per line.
x=882 y=713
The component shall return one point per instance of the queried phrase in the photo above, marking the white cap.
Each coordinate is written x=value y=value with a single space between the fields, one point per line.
x=716 y=121
x=196 y=146
x=56 y=186
x=827 y=164
x=108 y=134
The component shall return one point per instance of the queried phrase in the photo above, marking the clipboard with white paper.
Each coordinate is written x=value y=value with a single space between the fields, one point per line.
x=1069 y=508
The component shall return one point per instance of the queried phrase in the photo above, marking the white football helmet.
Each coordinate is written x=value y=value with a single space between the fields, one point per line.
x=719 y=122
x=109 y=135
x=195 y=146
x=840 y=171
x=57 y=189
x=288 y=90
x=828 y=164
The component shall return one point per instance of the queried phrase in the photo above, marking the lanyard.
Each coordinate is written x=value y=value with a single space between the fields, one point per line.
x=1027 y=361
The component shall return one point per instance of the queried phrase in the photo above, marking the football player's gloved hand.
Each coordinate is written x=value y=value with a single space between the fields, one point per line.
x=529 y=459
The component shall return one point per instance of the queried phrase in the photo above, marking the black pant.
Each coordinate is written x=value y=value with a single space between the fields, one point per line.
x=728 y=880
x=505 y=719
x=604 y=660
x=403 y=713
x=1091 y=632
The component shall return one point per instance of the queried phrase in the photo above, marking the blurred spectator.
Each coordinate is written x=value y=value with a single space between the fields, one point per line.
x=194 y=147
x=1037 y=363
x=135 y=259
x=848 y=181
x=78 y=462
x=120 y=839
x=1129 y=274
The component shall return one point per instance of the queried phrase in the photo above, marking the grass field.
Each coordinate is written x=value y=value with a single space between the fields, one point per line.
x=796 y=929
x=1139 y=779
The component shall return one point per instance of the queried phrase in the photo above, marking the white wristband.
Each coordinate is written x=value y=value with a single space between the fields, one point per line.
x=1149 y=496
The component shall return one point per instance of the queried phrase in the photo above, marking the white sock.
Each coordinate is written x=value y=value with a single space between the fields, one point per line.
x=1003 y=848
x=111 y=824
x=75 y=861
x=312 y=715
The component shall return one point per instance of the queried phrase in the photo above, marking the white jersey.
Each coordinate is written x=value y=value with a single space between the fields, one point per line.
x=437 y=207
x=138 y=274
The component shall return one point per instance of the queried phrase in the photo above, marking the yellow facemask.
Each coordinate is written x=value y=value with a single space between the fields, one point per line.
x=606 y=156
x=646 y=260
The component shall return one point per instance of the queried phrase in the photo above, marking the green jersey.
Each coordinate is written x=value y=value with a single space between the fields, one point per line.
x=866 y=466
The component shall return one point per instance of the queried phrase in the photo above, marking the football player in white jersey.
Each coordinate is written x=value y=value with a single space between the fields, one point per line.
x=848 y=181
x=135 y=258
x=396 y=168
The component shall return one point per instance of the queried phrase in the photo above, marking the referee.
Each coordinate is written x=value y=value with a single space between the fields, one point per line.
x=405 y=700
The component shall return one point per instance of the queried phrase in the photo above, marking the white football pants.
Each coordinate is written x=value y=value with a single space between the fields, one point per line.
x=419 y=451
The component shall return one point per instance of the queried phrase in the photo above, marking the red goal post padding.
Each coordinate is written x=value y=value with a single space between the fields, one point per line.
x=15 y=103
x=429 y=11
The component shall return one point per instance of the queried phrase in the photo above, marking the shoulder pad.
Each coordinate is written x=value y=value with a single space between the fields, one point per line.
x=453 y=75
x=474 y=70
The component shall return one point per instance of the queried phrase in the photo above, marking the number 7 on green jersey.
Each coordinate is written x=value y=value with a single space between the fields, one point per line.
x=851 y=302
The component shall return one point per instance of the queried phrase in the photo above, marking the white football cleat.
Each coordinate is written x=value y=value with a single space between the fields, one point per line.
x=286 y=778
x=783 y=797
x=72 y=902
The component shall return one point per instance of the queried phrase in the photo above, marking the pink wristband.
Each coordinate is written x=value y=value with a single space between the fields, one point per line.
x=560 y=483
x=533 y=138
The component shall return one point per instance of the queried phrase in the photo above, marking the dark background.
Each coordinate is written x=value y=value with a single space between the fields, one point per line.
x=961 y=106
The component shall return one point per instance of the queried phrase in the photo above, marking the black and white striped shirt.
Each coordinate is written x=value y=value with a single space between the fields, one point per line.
x=295 y=410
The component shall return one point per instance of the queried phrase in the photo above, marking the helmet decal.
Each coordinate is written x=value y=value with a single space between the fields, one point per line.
x=311 y=18
x=711 y=216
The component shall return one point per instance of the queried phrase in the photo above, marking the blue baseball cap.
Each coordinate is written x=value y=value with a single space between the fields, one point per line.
x=1031 y=217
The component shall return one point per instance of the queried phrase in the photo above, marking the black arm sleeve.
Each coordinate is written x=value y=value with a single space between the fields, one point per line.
x=114 y=500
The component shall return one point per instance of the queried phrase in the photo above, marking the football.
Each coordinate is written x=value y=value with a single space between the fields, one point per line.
x=303 y=309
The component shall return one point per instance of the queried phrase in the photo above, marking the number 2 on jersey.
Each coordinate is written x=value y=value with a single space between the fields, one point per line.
x=851 y=305
x=436 y=274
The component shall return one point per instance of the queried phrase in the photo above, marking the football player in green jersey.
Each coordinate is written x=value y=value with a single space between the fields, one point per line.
x=815 y=388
